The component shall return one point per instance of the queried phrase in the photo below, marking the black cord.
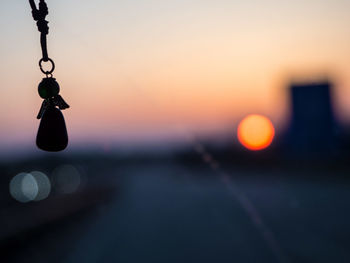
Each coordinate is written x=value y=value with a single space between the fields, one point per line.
x=39 y=15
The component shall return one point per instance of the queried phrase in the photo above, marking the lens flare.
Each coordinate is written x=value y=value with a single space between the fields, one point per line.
x=255 y=132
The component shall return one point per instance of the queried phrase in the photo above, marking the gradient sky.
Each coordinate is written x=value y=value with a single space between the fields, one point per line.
x=140 y=69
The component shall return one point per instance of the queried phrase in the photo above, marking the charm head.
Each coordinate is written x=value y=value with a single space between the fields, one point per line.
x=48 y=88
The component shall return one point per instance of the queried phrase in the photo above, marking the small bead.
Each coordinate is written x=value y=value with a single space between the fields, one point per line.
x=48 y=88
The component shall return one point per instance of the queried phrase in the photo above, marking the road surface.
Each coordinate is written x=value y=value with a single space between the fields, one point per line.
x=169 y=212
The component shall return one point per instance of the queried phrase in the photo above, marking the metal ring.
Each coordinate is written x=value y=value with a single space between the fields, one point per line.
x=52 y=66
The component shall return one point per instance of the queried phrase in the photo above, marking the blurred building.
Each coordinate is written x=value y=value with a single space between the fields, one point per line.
x=313 y=126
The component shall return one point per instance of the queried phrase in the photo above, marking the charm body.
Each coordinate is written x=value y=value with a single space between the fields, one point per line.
x=52 y=134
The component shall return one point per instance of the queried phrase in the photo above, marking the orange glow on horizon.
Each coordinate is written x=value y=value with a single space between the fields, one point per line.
x=255 y=132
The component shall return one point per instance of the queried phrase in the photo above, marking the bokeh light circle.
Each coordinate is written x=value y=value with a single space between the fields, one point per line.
x=66 y=179
x=44 y=185
x=255 y=132
x=24 y=187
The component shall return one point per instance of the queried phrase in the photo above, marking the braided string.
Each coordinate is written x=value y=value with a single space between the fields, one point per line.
x=39 y=15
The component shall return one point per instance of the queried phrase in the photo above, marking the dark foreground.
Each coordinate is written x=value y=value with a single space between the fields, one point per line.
x=170 y=212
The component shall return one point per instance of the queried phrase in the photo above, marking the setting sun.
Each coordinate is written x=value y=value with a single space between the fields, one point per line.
x=255 y=132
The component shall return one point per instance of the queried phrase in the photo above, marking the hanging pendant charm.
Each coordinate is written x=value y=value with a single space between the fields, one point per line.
x=52 y=134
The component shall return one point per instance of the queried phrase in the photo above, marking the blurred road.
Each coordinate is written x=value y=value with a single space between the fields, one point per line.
x=168 y=213
x=172 y=213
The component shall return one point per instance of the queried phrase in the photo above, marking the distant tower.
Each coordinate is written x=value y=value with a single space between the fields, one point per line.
x=312 y=130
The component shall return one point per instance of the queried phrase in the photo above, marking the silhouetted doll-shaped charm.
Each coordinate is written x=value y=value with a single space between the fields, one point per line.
x=52 y=134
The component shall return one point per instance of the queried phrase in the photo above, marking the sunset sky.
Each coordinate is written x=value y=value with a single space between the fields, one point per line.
x=143 y=69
